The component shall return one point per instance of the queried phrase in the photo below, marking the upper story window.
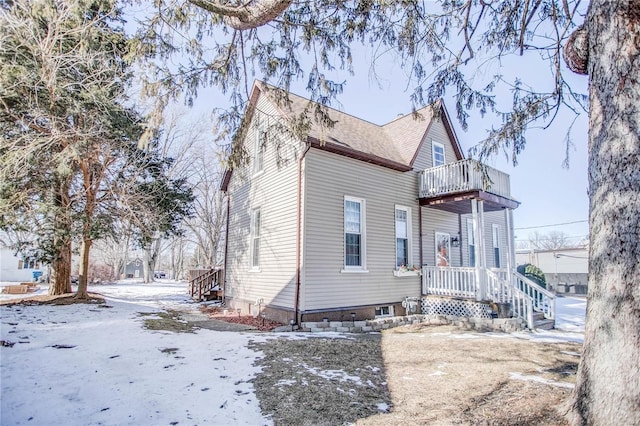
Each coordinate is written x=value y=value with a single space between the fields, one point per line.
x=403 y=236
x=256 y=221
x=259 y=148
x=354 y=234
x=438 y=154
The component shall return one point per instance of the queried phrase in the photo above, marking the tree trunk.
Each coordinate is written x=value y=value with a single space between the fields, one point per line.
x=608 y=383
x=61 y=263
x=84 y=269
x=61 y=272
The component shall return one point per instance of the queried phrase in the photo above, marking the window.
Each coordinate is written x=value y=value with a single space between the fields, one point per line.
x=28 y=264
x=472 y=243
x=438 y=154
x=403 y=236
x=255 y=238
x=258 y=155
x=384 y=311
x=354 y=234
x=496 y=246
x=443 y=249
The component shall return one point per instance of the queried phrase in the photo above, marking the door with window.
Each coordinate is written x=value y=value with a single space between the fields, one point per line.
x=443 y=249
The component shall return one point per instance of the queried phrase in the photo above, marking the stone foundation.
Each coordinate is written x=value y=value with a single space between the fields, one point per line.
x=479 y=324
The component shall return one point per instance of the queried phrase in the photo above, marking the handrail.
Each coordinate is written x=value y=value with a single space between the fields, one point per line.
x=543 y=300
x=204 y=283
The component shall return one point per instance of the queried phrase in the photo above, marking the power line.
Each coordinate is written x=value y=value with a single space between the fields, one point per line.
x=554 y=224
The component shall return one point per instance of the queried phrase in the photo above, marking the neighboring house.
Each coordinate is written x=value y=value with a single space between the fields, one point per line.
x=134 y=269
x=356 y=218
x=566 y=270
x=13 y=268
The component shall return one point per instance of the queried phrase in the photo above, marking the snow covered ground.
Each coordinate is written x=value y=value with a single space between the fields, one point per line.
x=96 y=364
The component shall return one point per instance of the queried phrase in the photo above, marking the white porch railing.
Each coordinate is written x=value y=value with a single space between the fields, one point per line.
x=464 y=175
x=542 y=299
x=498 y=288
x=448 y=281
x=524 y=295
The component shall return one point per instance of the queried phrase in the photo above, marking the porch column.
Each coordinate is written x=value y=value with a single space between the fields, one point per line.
x=477 y=210
x=510 y=253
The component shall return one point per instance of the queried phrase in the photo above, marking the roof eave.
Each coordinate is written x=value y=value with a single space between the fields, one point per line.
x=357 y=155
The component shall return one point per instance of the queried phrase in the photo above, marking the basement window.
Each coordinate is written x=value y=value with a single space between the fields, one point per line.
x=384 y=311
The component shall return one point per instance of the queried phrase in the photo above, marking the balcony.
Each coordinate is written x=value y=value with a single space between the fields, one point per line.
x=447 y=186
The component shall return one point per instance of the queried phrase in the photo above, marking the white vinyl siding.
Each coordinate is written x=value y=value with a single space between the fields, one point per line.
x=439 y=157
x=328 y=179
x=403 y=236
x=438 y=133
x=434 y=220
x=354 y=234
x=275 y=193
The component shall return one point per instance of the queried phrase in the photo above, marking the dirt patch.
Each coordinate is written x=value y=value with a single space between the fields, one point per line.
x=255 y=323
x=63 y=299
x=167 y=321
x=321 y=381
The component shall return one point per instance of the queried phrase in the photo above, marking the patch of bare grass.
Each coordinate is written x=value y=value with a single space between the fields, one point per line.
x=321 y=381
x=167 y=321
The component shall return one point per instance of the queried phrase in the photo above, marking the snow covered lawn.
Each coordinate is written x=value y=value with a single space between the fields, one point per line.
x=88 y=364
x=92 y=364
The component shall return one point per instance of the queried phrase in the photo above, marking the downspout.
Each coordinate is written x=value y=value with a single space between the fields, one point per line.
x=298 y=318
x=226 y=248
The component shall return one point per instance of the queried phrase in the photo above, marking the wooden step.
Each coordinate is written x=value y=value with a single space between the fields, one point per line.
x=544 y=324
x=538 y=316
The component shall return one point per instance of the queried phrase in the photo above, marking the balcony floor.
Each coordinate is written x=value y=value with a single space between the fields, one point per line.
x=458 y=202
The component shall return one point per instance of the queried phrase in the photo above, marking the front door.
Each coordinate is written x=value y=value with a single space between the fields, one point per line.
x=443 y=249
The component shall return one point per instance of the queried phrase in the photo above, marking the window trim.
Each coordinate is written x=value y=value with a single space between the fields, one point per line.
x=255 y=212
x=471 y=242
x=362 y=268
x=390 y=309
x=258 y=149
x=408 y=211
x=435 y=144
x=495 y=240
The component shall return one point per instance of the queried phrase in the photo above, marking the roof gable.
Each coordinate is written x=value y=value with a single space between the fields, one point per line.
x=394 y=145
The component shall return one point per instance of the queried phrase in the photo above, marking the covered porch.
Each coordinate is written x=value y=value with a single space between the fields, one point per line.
x=483 y=269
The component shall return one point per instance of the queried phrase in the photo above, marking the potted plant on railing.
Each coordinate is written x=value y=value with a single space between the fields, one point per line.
x=407 y=271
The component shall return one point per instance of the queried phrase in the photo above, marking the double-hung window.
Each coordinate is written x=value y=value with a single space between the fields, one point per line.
x=496 y=245
x=403 y=236
x=438 y=154
x=256 y=220
x=259 y=148
x=471 y=241
x=354 y=234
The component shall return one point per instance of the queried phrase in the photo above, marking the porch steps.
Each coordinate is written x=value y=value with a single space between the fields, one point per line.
x=542 y=323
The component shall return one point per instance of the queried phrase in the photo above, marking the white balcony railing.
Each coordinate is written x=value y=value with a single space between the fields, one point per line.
x=464 y=175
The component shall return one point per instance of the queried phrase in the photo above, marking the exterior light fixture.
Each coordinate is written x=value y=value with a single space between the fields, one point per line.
x=455 y=241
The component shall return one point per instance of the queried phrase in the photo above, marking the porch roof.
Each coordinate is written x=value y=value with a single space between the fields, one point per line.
x=459 y=202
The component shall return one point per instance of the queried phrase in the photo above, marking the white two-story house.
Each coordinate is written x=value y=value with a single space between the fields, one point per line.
x=359 y=218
